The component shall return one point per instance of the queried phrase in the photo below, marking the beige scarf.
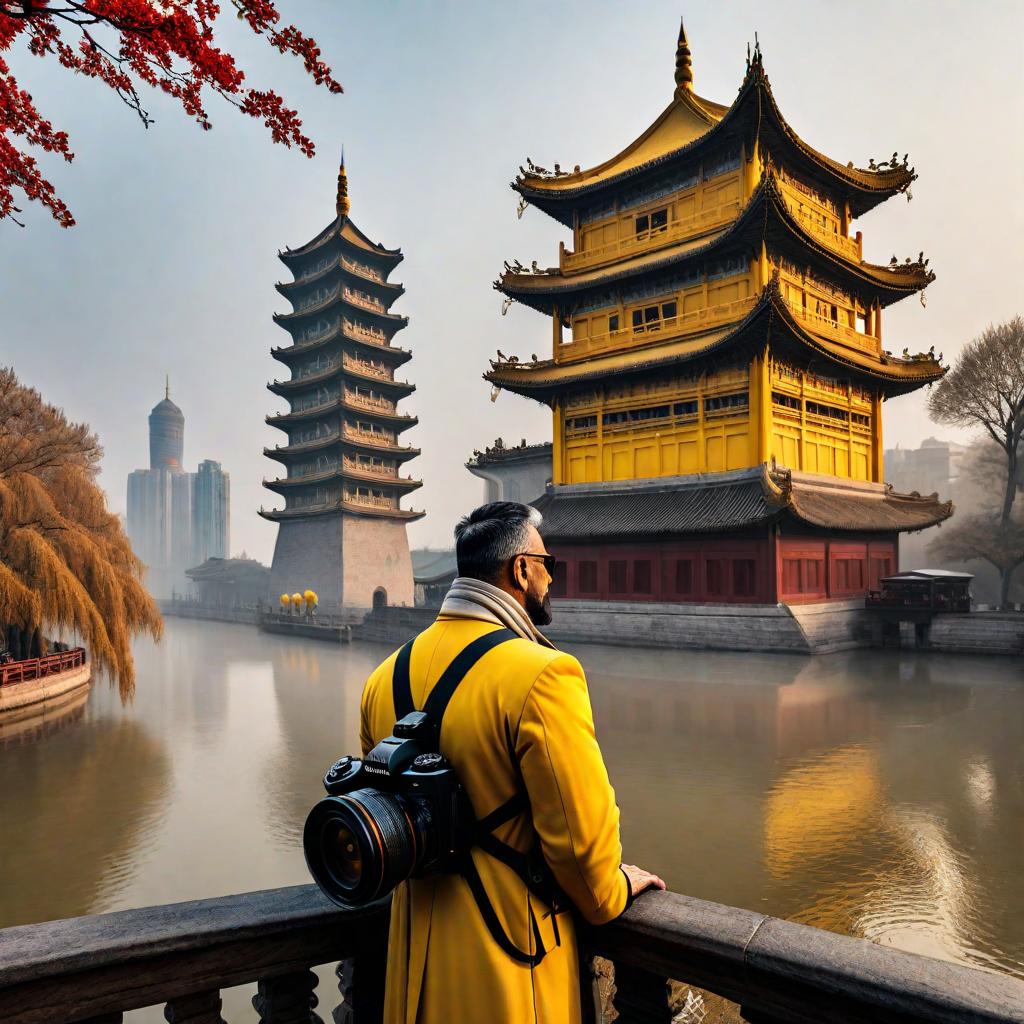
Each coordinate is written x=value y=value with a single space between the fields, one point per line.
x=468 y=598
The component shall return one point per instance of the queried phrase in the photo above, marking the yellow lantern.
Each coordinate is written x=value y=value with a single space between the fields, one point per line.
x=310 y=598
x=285 y=600
x=296 y=599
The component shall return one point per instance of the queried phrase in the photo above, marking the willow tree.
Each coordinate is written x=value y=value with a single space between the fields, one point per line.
x=65 y=561
x=985 y=389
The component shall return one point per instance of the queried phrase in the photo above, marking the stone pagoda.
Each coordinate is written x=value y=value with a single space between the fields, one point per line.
x=717 y=368
x=342 y=530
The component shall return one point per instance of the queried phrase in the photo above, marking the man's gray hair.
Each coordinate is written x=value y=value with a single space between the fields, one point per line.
x=491 y=535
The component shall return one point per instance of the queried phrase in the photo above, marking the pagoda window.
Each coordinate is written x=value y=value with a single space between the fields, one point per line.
x=617 y=576
x=653 y=223
x=684 y=576
x=786 y=401
x=687 y=410
x=827 y=411
x=613 y=323
x=586 y=577
x=726 y=403
x=652 y=318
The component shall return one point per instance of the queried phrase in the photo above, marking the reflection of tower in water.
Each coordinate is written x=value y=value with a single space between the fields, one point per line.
x=317 y=689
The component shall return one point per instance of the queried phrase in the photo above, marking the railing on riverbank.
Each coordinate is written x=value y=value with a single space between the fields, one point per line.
x=39 y=668
x=93 y=969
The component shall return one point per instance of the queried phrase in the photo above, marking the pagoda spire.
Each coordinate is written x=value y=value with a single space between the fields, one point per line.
x=342 y=205
x=167 y=386
x=684 y=67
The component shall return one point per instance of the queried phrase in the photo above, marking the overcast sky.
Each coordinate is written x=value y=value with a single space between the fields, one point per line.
x=172 y=264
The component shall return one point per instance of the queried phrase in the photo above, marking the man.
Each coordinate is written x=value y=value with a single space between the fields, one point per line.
x=519 y=723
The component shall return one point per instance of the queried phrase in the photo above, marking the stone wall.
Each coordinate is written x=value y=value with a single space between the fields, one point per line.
x=978 y=633
x=344 y=559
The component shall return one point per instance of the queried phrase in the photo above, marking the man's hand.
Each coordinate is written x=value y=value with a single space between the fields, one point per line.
x=640 y=880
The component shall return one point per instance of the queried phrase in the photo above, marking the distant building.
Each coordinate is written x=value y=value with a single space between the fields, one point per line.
x=934 y=468
x=433 y=573
x=175 y=519
x=211 y=512
x=230 y=582
x=513 y=474
x=342 y=528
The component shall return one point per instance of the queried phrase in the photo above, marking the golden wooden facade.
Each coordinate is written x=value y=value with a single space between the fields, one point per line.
x=654 y=371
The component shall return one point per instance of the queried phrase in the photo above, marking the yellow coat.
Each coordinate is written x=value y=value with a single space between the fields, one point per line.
x=443 y=965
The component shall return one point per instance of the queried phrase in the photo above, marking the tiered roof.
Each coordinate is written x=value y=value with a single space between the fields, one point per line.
x=726 y=502
x=689 y=129
x=354 y=349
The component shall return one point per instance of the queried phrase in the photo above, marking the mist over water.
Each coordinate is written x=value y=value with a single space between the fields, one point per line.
x=870 y=793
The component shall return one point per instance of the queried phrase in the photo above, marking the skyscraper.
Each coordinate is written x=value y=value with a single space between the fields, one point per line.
x=175 y=519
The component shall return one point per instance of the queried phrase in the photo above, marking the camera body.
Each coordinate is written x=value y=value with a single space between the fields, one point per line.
x=423 y=788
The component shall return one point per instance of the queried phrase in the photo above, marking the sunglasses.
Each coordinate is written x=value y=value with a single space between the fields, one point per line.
x=550 y=561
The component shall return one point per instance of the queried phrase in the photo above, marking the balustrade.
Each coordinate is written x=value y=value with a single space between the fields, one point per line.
x=96 y=968
x=377 y=337
x=362 y=270
x=374 y=437
x=368 y=402
x=39 y=668
x=635 y=244
x=317 y=302
x=848 y=247
x=359 y=366
x=370 y=500
x=660 y=330
x=822 y=324
x=363 y=467
x=364 y=300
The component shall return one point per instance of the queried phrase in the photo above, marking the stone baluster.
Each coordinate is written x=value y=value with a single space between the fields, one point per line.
x=640 y=996
x=287 y=998
x=198 y=1008
x=361 y=983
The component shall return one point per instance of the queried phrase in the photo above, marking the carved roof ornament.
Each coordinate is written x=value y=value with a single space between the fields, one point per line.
x=684 y=65
x=342 y=205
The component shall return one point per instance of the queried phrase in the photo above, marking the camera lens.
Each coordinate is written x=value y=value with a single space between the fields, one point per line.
x=361 y=845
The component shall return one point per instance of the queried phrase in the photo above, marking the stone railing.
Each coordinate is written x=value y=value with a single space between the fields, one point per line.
x=635 y=244
x=364 y=300
x=370 y=501
x=369 y=435
x=362 y=270
x=354 y=330
x=358 y=467
x=367 y=402
x=360 y=366
x=91 y=970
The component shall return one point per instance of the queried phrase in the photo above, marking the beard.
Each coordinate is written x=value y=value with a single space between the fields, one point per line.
x=538 y=610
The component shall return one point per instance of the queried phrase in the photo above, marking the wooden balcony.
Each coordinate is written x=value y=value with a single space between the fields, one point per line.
x=370 y=501
x=834 y=331
x=851 y=248
x=362 y=270
x=647 y=241
x=658 y=330
x=354 y=330
x=94 y=969
x=368 y=369
x=371 y=404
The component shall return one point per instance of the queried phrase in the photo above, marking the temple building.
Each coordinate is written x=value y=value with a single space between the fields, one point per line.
x=717 y=370
x=342 y=530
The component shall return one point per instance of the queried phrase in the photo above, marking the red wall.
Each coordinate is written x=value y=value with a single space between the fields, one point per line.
x=817 y=568
x=715 y=571
x=724 y=570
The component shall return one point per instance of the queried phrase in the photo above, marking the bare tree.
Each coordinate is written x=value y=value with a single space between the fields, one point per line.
x=986 y=389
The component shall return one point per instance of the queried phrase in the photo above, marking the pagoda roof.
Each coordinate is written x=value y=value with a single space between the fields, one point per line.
x=766 y=217
x=691 y=125
x=397 y=421
x=392 y=289
x=285 y=353
x=338 y=297
x=705 y=503
x=343 y=230
x=336 y=507
x=771 y=322
x=500 y=455
x=342 y=472
x=399 y=388
x=288 y=452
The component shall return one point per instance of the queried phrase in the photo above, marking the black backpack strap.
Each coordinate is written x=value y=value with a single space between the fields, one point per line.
x=444 y=689
x=401 y=688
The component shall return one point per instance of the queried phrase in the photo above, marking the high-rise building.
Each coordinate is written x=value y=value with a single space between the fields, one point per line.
x=342 y=531
x=717 y=369
x=211 y=512
x=175 y=519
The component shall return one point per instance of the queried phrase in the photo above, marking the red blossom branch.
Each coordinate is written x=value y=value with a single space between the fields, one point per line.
x=166 y=44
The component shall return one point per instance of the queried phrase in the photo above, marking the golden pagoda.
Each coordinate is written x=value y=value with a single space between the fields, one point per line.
x=717 y=371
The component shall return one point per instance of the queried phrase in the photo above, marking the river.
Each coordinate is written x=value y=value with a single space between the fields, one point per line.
x=874 y=793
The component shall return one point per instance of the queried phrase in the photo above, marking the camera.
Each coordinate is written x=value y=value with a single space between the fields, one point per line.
x=398 y=813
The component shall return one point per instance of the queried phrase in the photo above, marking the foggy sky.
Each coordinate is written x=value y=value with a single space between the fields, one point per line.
x=172 y=264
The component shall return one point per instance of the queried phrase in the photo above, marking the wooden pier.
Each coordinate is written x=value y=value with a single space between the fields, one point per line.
x=91 y=970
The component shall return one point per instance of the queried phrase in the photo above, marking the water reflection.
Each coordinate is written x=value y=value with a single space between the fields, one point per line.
x=873 y=793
